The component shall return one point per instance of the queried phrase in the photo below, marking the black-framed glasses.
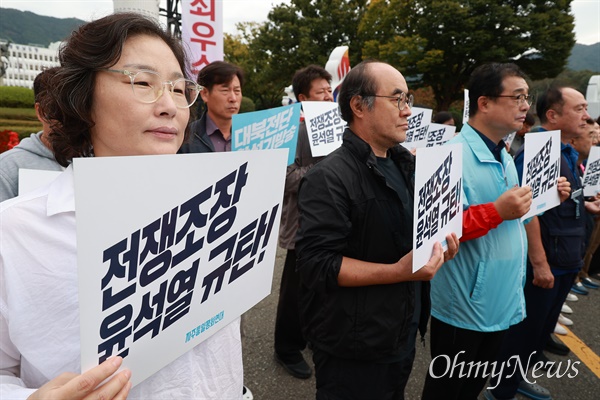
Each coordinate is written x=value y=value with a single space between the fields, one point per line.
x=403 y=100
x=148 y=86
x=519 y=98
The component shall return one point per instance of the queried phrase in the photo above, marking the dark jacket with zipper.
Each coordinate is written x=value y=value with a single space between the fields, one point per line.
x=348 y=209
x=563 y=227
x=199 y=142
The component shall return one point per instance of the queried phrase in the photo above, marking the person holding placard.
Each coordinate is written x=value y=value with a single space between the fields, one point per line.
x=312 y=83
x=479 y=294
x=581 y=145
x=221 y=94
x=360 y=303
x=120 y=91
x=556 y=246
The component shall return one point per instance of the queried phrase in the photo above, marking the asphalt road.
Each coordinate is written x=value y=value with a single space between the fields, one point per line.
x=269 y=381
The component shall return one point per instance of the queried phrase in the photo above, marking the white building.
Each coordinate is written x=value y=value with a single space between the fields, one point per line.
x=26 y=62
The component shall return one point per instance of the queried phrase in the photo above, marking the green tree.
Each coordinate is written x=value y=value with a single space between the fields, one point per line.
x=439 y=43
x=295 y=35
x=236 y=51
x=576 y=79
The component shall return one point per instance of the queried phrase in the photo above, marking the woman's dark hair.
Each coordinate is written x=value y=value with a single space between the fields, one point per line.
x=93 y=46
x=42 y=81
x=41 y=86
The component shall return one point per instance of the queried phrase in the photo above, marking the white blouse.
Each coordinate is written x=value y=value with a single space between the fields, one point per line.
x=39 y=309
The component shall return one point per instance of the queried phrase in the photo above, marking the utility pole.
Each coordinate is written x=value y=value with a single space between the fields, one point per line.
x=173 y=17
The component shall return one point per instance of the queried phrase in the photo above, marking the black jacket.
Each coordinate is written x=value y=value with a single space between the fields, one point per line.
x=198 y=142
x=348 y=209
x=563 y=228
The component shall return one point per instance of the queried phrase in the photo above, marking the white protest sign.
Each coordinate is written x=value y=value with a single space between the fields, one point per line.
x=418 y=124
x=541 y=168
x=324 y=125
x=165 y=261
x=30 y=179
x=438 y=199
x=466 y=107
x=591 y=177
x=437 y=135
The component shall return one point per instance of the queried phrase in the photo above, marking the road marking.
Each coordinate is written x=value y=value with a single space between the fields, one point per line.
x=582 y=351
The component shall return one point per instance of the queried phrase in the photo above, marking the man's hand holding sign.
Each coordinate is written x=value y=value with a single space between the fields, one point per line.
x=514 y=203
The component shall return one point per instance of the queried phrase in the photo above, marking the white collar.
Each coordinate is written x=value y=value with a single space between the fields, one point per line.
x=61 y=193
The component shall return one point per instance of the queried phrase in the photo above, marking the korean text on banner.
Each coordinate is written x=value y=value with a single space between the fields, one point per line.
x=324 y=125
x=275 y=128
x=164 y=262
x=438 y=134
x=418 y=125
x=591 y=177
x=202 y=31
x=438 y=199
x=541 y=168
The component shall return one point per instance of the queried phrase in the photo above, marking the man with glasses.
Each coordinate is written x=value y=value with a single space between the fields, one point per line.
x=360 y=303
x=479 y=294
x=221 y=92
x=556 y=246
x=222 y=96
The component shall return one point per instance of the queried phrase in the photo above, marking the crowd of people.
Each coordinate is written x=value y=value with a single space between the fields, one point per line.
x=347 y=291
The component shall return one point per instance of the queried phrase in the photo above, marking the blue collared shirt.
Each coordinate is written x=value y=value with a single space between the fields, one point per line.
x=216 y=136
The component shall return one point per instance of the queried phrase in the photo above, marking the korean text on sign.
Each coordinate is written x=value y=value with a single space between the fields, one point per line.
x=324 y=126
x=164 y=263
x=267 y=129
x=438 y=199
x=202 y=30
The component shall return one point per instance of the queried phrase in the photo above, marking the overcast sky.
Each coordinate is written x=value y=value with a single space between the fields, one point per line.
x=587 y=12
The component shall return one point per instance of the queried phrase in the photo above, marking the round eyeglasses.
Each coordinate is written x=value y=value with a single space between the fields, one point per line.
x=403 y=100
x=148 y=86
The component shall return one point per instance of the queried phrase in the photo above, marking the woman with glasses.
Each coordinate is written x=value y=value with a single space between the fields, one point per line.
x=120 y=91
